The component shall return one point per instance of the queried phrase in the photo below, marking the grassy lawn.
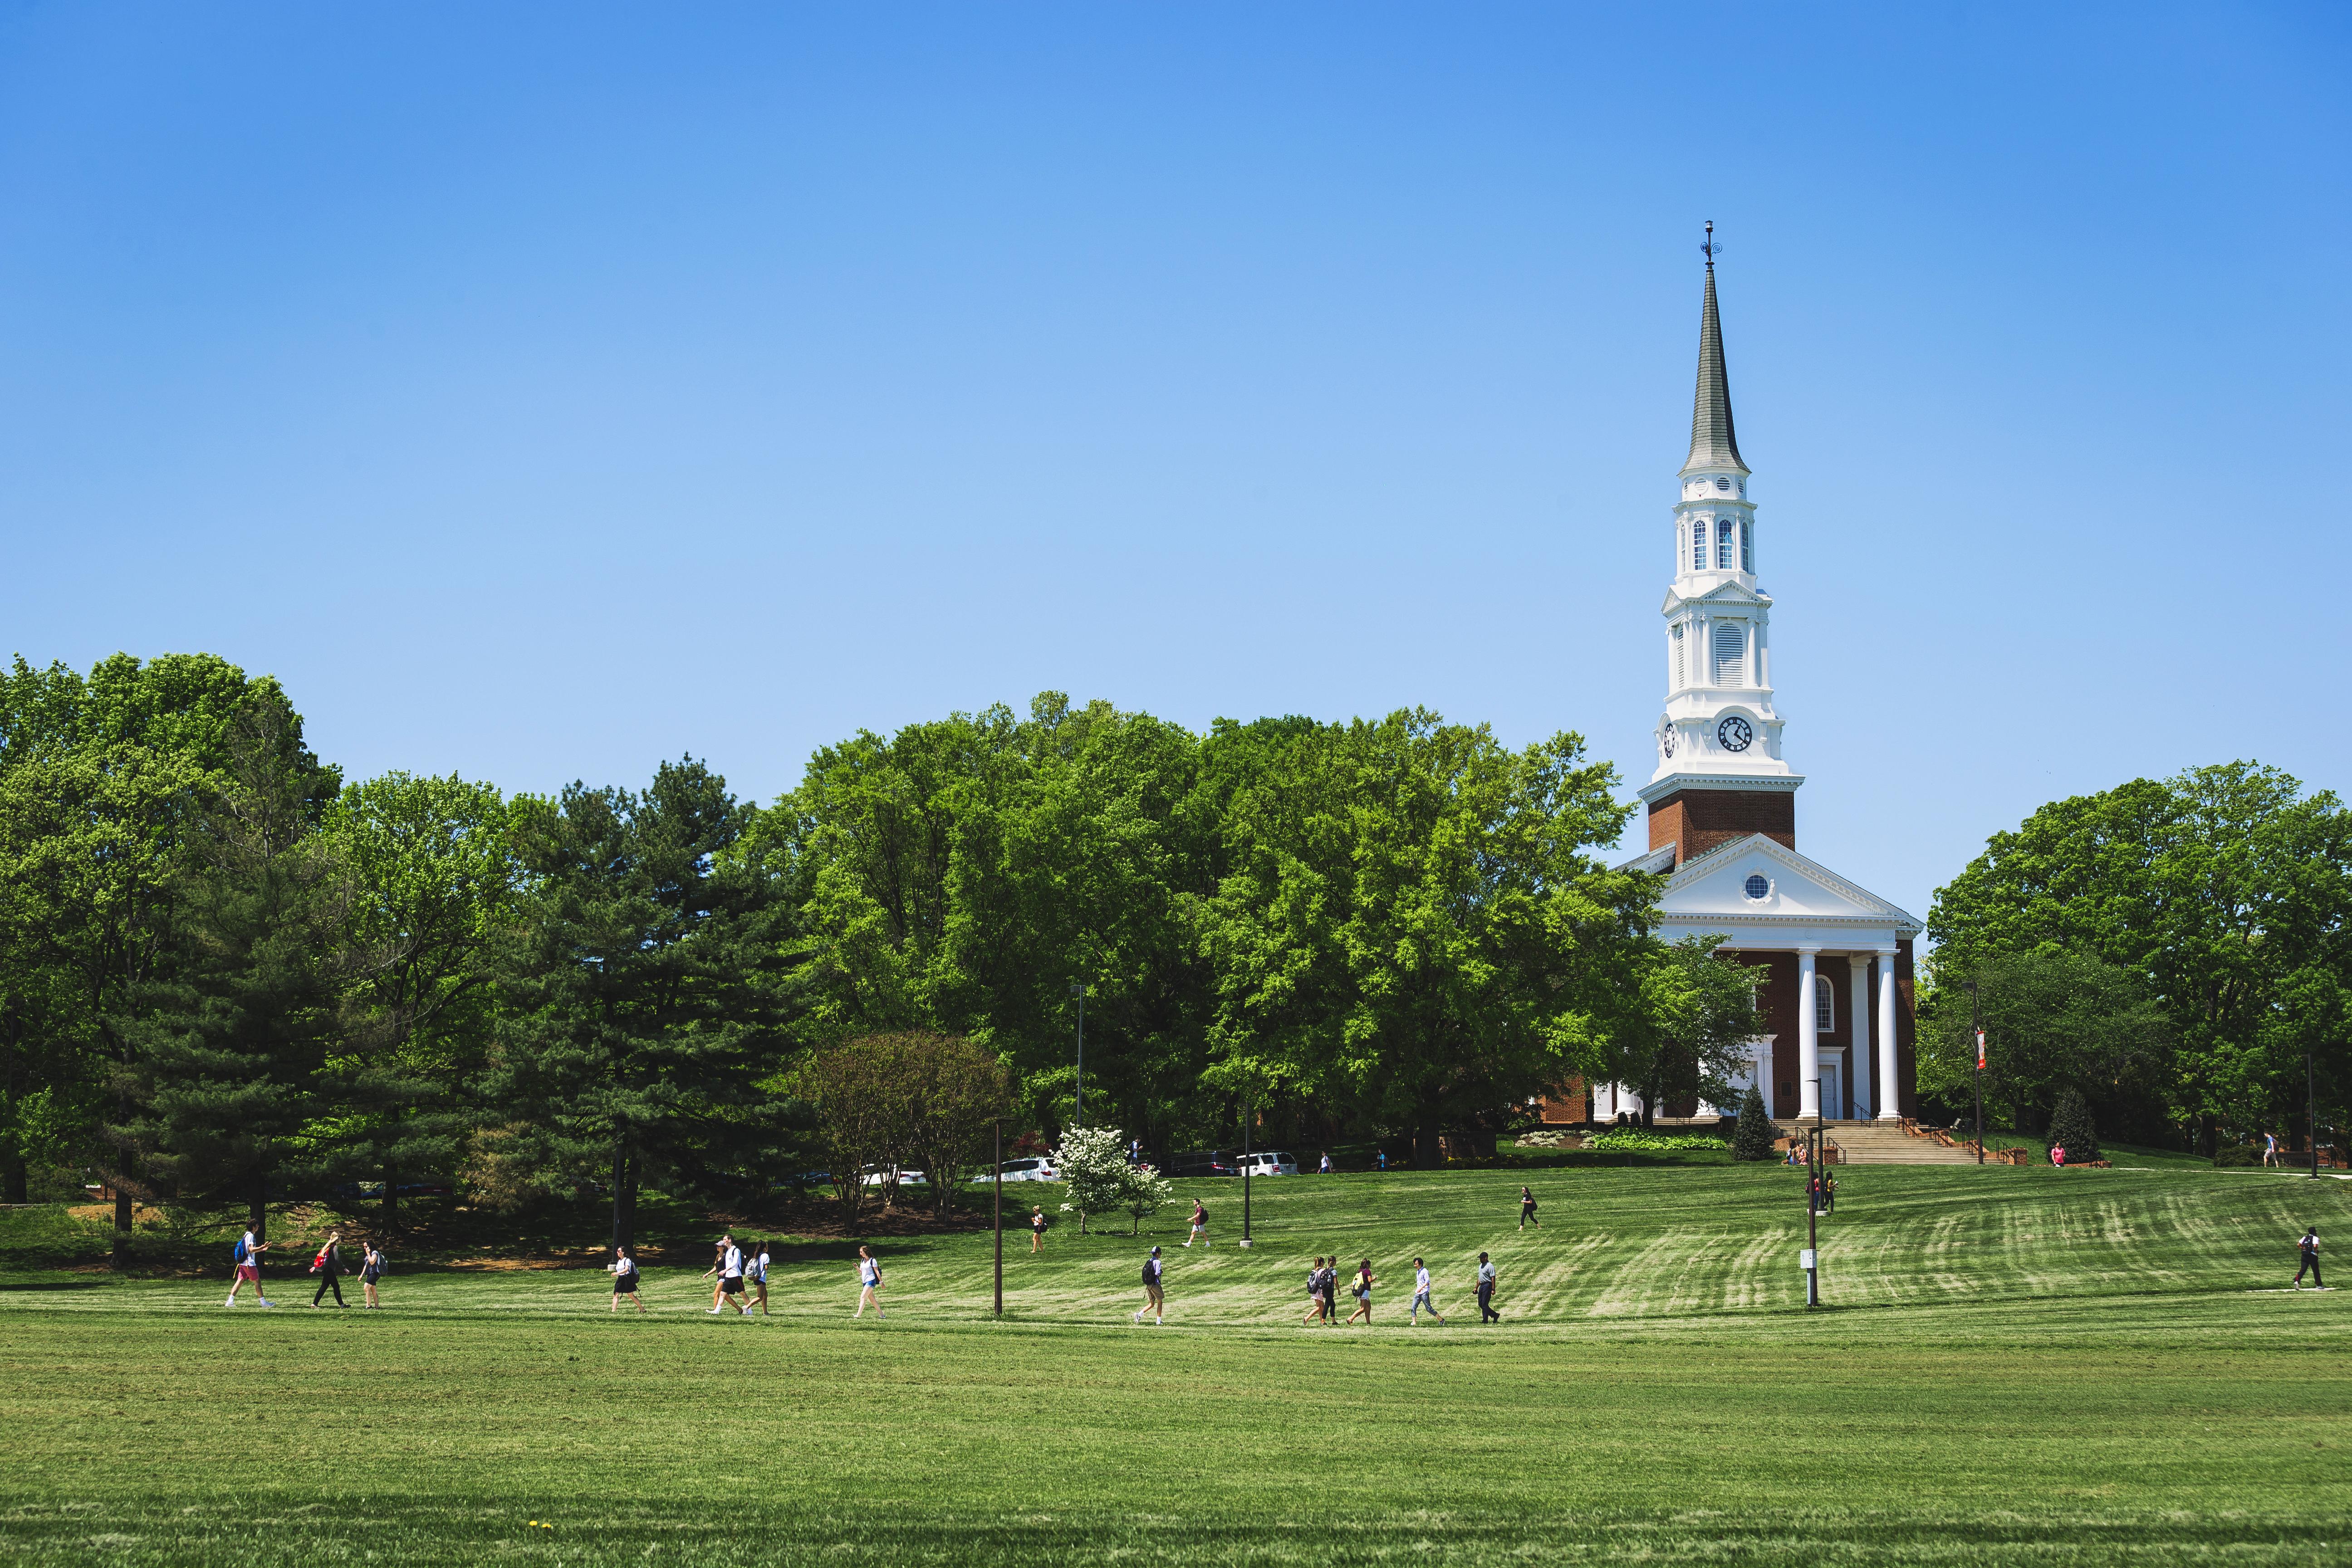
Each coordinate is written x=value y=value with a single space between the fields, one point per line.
x=2016 y=1365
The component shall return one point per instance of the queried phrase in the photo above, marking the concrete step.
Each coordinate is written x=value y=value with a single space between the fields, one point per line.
x=1877 y=1145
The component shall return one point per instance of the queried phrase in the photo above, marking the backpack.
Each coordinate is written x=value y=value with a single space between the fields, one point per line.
x=237 y=1254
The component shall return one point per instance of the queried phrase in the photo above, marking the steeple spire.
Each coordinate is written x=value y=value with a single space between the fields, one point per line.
x=1713 y=444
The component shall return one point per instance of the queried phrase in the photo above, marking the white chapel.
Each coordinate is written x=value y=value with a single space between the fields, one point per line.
x=1837 y=997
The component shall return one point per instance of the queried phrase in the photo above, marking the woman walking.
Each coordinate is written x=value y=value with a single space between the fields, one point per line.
x=1528 y=1208
x=1315 y=1307
x=329 y=1267
x=870 y=1284
x=624 y=1270
x=1036 y=1229
x=371 y=1271
x=716 y=1274
x=755 y=1274
x=1332 y=1292
x=1363 y=1293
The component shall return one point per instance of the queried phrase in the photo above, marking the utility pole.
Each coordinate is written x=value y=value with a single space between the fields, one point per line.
x=2310 y=1109
x=1976 y=1022
x=1245 y=1170
x=999 y=1220
x=1079 y=992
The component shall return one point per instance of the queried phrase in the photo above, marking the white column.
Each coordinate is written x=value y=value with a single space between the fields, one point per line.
x=1763 y=657
x=1809 y=1037
x=1701 y=666
x=1890 y=1105
x=1858 y=1033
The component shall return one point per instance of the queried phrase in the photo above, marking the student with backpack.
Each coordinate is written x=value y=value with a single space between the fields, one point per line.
x=1200 y=1226
x=730 y=1277
x=2306 y=1252
x=1155 y=1300
x=1364 y=1283
x=624 y=1270
x=1315 y=1303
x=245 y=1263
x=1528 y=1208
x=1036 y=1229
x=372 y=1267
x=755 y=1274
x=329 y=1267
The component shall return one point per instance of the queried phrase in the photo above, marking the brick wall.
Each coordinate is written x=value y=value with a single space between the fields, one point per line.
x=1697 y=820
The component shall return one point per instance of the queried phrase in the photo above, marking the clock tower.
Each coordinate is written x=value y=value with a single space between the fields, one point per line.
x=1720 y=774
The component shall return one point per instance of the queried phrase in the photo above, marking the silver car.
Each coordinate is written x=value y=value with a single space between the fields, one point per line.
x=1034 y=1170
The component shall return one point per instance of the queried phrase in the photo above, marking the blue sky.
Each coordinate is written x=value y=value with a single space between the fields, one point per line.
x=544 y=392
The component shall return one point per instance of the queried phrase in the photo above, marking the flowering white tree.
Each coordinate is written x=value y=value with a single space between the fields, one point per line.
x=1092 y=1164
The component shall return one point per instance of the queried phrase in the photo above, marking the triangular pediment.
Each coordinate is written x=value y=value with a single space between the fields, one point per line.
x=1727 y=591
x=1718 y=885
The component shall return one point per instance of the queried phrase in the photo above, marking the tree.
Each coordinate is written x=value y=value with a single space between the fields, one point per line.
x=2071 y=1129
x=860 y=1092
x=1411 y=922
x=1142 y=1191
x=1752 y=1138
x=956 y=1091
x=2226 y=890
x=1092 y=1164
x=644 y=993
x=1694 y=1029
x=2054 y=1023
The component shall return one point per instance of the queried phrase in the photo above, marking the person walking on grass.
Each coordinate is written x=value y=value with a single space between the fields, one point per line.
x=731 y=1280
x=1331 y=1292
x=1528 y=1208
x=2270 y=1149
x=1363 y=1293
x=755 y=1275
x=1486 y=1313
x=624 y=1270
x=1324 y=1168
x=1036 y=1229
x=717 y=1272
x=372 y=1267
x=1314 y=1307
x=1421 y=1294
x=246 y=1264
x=870 y=1284
x=1155 y=1300
x=2306 y=1252
x=1200 y=1226
x=329 y=1267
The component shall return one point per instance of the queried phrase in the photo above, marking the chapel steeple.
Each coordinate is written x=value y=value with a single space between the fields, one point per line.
x=1720 y=773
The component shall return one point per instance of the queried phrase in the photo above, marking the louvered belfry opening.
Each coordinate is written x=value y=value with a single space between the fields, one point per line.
x=1730 y=646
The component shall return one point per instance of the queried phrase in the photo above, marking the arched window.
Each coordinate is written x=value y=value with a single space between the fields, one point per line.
x=1698 y=544
x=1825 y=1004
x=1722 y=556
x=1747 y=545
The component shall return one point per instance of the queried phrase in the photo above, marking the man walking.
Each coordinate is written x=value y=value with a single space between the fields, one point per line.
x=1421 y=1294
x=1486 y=1313
x=2307 y=1258
x=1155 y=1302
x=731 y=1278
x=1200 y=1226
x=247 y=1261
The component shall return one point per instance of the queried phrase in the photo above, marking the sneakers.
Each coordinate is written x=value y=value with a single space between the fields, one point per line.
x=714 y=1311
x=746 y=1311
x=266 y=1302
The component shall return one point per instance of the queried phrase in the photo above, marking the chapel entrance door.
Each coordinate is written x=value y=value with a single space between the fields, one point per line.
x=1833 y=1091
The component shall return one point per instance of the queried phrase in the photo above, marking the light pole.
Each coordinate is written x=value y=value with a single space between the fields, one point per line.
x=1079 y=992
x=1812 y=1259
x=1976 y=1022
x=1245 y=1170
x=2310 y=1110
x=999 y=1220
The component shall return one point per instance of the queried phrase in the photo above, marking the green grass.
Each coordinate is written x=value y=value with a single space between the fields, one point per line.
x=2015 y=1365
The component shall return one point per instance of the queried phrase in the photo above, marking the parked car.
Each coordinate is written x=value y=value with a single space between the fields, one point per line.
x=1040 y=1169
x=1268 y=1163
x=1206 y=1162
x=885 y=1175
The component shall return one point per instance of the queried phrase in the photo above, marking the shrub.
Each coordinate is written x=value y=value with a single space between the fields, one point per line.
x=1752 y=1139
x=2227 y=1154
x=2071 y=1129
x=1624 y=1140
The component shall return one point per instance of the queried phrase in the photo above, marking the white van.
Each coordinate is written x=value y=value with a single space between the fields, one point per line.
x=1267 y=1162
x=1040 y=1170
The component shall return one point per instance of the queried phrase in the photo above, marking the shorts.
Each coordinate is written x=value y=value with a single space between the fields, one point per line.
x=731 y=1286
x=625 y=1285
x=249 y=1271
x=1153 y=1294
x=370 y=1276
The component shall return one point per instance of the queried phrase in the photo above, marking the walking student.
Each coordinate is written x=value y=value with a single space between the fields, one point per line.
x=756 y=1276
x=1324 y=1168
x=1036 y=1228
x=1315 y=1305
x=329 y=1267
x=624 y=1270
x=730 y=1280
x=1486 y=1313
x=1331 y=1292
x=1421 y=1294
x=2270 y=1149
x=1200 y=1226
x=372 y=1267
x=2306 y=1253
x=1363 y=1293
x=870 y=1284
x=246 y=1265
x=1155 y=1300
x=1528 y=1208
x=717 y=1272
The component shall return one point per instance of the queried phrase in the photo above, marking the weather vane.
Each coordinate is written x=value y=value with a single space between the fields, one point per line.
x=1710 y=250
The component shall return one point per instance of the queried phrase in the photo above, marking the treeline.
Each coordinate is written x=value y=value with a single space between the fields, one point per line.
x=2177 y=952
x=227 y=974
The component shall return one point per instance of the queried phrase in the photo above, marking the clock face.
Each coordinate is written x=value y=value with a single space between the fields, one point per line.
x=1735 y=734
x=1666 y=741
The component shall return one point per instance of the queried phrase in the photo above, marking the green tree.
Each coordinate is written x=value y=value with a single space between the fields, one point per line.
x=2055 y=1022
x=646 y=1007
x=1410 y=921
x=2073 y=1129
x=1752 y=1138
x=1691 y=1034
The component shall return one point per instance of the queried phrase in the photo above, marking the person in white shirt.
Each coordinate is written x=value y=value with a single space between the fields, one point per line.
x=1325 y=1166
x=870 y=1284
x=248 y=1270
x=1155 y=1300
x=731 y=1278
x=1420 y=1293
x=1486 y=1313
x=624 y=1270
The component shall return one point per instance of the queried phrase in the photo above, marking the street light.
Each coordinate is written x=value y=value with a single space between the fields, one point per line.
x=1812 y=1259
x=1976 y=1022
x=1245 y=1170
x=1079 y=992
x=2310 y=1109
x=997 y=1222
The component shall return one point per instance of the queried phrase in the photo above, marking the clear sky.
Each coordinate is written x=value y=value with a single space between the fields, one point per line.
x=544 y=392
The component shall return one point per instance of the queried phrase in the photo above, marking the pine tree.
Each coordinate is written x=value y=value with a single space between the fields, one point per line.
x=1752 y=1140
x=2071 y=1129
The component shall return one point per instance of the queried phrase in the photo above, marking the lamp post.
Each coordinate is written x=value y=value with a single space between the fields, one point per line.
x=999 y=1220
x=1976 y=1022
x=1079 y=992
x=1245 y=1170
x=2310 y=1110
x=1812 y=1259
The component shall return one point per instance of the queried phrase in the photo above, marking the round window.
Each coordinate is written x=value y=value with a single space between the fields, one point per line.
x=1758 y=886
